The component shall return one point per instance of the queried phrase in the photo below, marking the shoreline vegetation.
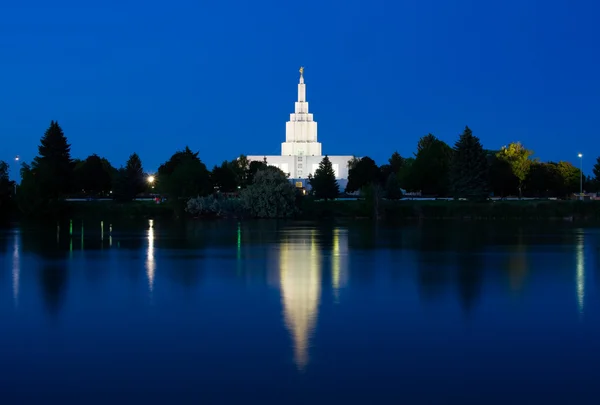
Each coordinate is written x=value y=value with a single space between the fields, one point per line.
x=460 y=179
x=386 y=210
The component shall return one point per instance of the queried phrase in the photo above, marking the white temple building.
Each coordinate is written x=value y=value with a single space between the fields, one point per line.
x=301 y=152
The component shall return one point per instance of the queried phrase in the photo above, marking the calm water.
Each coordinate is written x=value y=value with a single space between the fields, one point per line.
x=272 y=313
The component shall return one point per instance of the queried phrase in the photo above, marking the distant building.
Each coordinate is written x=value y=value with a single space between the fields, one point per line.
x=301 y=152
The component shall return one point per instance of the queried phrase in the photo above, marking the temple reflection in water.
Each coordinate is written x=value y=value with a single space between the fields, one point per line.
x=300 y=276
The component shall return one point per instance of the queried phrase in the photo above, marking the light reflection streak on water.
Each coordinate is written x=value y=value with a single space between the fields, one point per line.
x=300 y=282
x=16 y=266
x=150 y=263
x=338 y=262
x=580 y=269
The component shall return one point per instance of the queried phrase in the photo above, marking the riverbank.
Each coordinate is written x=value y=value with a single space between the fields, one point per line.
x=310 y=209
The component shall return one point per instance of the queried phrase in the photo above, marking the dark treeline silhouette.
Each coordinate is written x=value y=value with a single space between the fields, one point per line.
x=466 y=170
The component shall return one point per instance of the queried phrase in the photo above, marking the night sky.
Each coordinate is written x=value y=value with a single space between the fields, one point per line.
x=220 y=76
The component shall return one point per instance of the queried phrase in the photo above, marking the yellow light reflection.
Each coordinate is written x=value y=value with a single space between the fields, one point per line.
x=300 y=283
x=16 y=266
x=339 y=255
x=150 y=264
x=518 y=264
x=580 y=270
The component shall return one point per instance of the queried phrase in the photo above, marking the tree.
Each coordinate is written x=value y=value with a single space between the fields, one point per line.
x=394 y=165
x=596 y=169
x=271 y=195
x=425 y=142
x=469 y=167
x=253 y=168
x=363 y=173
x=502 y=180
x=430 y=168
x=94 y=175
x=392 y=188
x=570 y=177
x=544 y=180
x=6 y=189
x=53 y=166
x=184 y=175
x=224 y=177
x=323 y=183
x=517 y=158
x=240 y=167
x=130 y=180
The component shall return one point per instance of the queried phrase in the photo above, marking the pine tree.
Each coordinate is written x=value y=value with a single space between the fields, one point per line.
x=136 y=181
x=596 y=169
x=469 y=167
x=53 y=166
x=323 y=183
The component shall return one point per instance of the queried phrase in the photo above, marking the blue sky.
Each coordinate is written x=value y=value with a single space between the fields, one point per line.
x=152 y=77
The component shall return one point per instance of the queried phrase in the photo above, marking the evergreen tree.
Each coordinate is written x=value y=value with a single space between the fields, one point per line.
x=323 y=183
x=596 y=169
x=469 y=167
x=130 y=180
x=53 y=167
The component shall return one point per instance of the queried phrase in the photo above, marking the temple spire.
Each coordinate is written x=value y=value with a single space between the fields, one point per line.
x=301 y=88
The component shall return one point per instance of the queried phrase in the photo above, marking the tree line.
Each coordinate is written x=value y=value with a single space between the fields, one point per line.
x=466 y=170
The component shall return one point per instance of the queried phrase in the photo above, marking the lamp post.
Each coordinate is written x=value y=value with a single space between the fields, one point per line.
x=580 y=176
x=15 y=182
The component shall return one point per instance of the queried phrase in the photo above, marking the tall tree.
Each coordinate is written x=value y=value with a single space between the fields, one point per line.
x=224 y=177
x=6 y=189
x=253 y=168
x=184 y=175
x=502 y=180
x=93 y=175
x=431 y=165
x=363 y=173
x=130 y=180
x=469 y=167
x=596 y=169
x=53 y=167
x=425 y=142
x=518 y=158
x=323 y=183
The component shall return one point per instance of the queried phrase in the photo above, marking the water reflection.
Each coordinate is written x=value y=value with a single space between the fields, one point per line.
x=339 y=261
x=517 y=263
x=53 y=279
x=300 y=283
x=150 y=263
x=16 y=266
x=580 y=268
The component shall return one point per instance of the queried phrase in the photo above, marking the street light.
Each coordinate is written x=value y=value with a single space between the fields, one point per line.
x=17 y=158
x=151 y=180
x=580 y=176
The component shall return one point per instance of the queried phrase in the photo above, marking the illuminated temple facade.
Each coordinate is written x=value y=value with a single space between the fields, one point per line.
x=301 y=152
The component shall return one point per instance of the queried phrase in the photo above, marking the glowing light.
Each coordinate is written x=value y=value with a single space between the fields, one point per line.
x=151 y=179
x=580 y=155
x=150 y=263
x=16 y=267
x=580 y=271
x=338 y=262
x=300 y=283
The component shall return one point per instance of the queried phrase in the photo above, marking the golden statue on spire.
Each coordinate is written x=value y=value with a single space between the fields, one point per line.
x=301 y=70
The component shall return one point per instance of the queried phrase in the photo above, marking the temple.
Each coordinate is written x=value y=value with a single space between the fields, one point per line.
x=301 y=152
